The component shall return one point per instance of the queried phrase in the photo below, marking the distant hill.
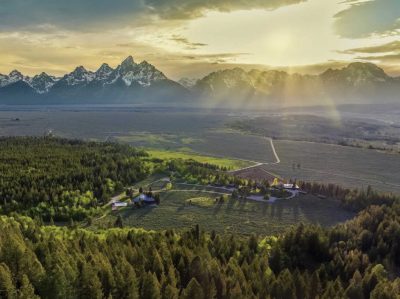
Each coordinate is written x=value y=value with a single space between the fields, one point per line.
x=356 y=83
x=132 y=82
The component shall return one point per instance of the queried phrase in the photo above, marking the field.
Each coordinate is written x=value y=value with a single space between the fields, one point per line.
x=182 y=209
x=230 y=164
x=347 y=166
x=205 y=132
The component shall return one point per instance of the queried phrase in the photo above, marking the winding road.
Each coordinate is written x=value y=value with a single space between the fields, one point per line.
x=277 y=159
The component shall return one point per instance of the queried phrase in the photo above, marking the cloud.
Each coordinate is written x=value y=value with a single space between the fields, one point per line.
x=385 y=48
x=388 y=53
x=189 y=9
x=214 y=58
x=185 y=42
x=367 y=17
x=90 y=15
x=389 y=59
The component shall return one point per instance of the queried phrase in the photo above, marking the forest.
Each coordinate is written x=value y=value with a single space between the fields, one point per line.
x=358 y=259
x=63 y=179
x=46 y=178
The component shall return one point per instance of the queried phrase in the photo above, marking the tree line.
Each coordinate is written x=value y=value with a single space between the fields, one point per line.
x=61 y=179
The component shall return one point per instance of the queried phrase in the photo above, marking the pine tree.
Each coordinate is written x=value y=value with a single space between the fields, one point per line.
x=150 y=287
x=193 y=290
x=60 y=286
x=90 y=285
x=170 y=292
x=132 y=291
x=26 y=290
x=7 y=288
x=315 y=286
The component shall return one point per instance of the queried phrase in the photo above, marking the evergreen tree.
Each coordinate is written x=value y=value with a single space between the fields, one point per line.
x=7 y=288
x=193 y=290
x=150 y=287
x=26 y=290
x=90 y=285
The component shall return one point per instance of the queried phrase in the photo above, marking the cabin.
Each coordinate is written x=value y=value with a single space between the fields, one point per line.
x=143 y=198
x=291 y=186
x=118 y=204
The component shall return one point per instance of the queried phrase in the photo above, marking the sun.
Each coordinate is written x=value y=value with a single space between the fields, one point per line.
x=278 y=42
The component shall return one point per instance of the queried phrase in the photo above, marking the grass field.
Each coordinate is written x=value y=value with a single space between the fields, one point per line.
x=205 y=132
x=244 y=217
x=231 y=164
x=347 y=166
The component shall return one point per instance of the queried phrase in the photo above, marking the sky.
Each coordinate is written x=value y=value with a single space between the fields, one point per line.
x=190 y=38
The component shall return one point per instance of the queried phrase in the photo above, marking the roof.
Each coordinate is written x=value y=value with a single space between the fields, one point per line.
x=290 y=186
x=144 y=197
x=119 y=204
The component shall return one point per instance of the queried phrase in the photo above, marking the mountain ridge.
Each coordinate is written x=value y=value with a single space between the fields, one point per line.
x=129 y=81
x=132 y=82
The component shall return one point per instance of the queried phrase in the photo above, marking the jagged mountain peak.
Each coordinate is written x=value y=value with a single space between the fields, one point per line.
x=127 y=65
x=79 y=70
x=128 y=60
x=42 y=75
x=42 y=82
x=104 y=68
x=16 y=74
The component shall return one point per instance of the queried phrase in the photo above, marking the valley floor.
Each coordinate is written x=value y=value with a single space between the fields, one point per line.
x=204 y=132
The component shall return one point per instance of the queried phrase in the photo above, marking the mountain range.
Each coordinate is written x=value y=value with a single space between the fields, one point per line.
x=128 y=82
x=132 y=82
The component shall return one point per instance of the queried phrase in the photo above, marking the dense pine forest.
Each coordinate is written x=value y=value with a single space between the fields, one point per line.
x=64 y=179
x=359 y=259
x=46 y=178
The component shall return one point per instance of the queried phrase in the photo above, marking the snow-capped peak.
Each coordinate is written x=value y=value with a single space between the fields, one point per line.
x=143 y=73
x=79 y=76
x=127 y=65
x=103 y=72
x=15 y=76
x=104 y=69
x=129 y=72
x=42 y=82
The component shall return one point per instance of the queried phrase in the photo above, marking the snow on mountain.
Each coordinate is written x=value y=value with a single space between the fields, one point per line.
x=80 y=76
x=42 y=82
x=130 y=72
x=133 y=80
x=13 y=77
x=103 y=72
x=3 y=80
x=144 y=74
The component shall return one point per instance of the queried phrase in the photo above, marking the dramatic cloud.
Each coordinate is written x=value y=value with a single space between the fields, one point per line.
x=89 y=14
x=193 y=37
x=388 y=53
x=366 y=17
x=385 y=48
x=188 y=9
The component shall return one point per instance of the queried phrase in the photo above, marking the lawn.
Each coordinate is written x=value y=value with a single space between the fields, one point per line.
x=231 y=164
x=182 y=209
